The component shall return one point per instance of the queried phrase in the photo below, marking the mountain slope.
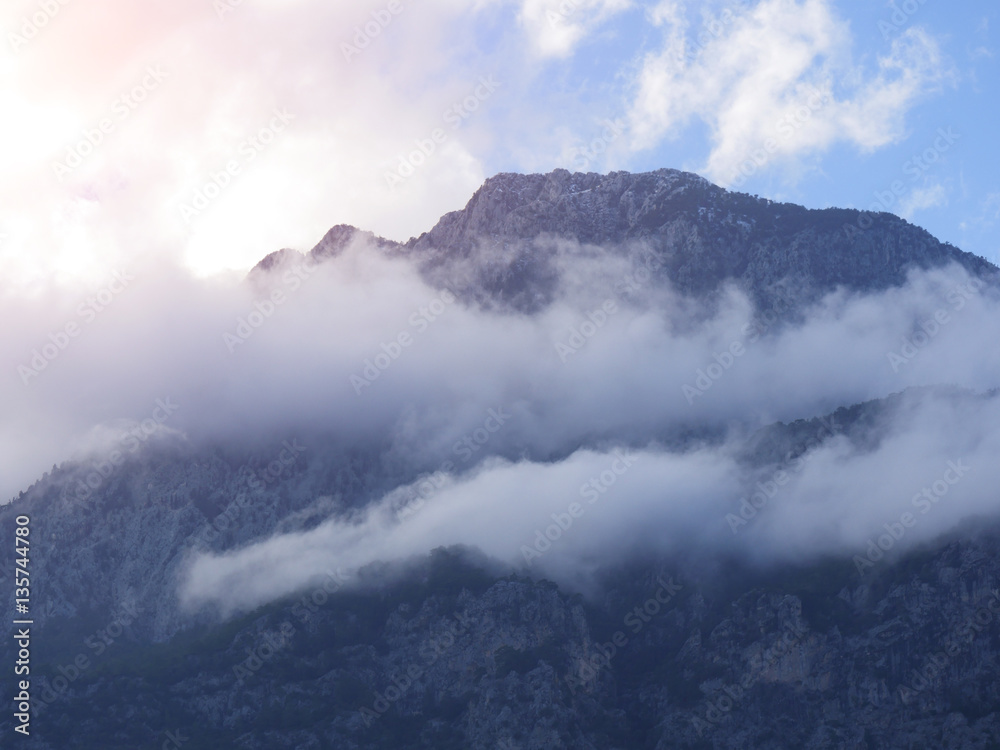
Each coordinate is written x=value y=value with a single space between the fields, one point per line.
x=512 y=673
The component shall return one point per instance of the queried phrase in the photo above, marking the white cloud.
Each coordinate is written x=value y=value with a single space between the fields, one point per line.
x=567 y=519
x=775 y=83
x=556 y=27
x=929 y=196
x=224 y=77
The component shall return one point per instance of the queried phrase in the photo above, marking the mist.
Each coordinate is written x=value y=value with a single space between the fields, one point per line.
x=570 y=519
x=362 y=348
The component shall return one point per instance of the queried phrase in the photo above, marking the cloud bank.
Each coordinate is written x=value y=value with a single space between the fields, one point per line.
x=775 y=83
x=362 y=348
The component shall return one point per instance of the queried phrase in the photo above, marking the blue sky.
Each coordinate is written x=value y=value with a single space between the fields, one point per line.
x=952 y=191
x=827 y=103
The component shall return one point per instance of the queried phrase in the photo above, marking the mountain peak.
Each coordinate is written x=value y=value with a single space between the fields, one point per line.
x=703 y=235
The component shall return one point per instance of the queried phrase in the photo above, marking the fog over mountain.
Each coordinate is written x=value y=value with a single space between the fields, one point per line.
x=574 y=374
x=589 y=340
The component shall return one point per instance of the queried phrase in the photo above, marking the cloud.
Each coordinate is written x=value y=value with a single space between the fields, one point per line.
x=362 y=83
x=567 y=520
x=556 y=27
x=775 y=83
x=929 y=196
x=363 y=349
x=83 y=356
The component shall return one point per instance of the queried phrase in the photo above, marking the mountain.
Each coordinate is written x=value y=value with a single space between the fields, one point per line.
x=690 y=648
x=700 y=234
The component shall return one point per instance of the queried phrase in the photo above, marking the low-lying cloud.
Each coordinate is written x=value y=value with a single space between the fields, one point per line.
x=568 y=519
x=362 y=348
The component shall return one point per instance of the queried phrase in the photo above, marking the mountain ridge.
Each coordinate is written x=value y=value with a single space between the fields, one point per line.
x=702 y=234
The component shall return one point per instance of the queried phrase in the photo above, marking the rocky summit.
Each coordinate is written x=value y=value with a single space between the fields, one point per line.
x=701 y=235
